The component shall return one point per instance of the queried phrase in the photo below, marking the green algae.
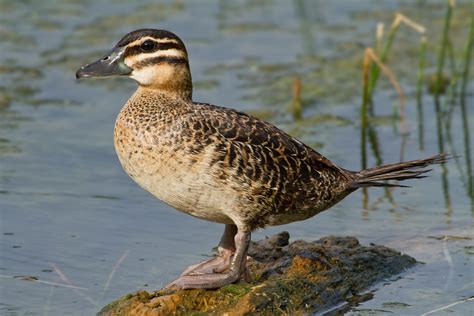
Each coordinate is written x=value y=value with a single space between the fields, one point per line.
x=237 y=289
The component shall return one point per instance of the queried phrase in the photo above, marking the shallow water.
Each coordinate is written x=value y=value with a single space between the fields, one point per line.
x=68 y=208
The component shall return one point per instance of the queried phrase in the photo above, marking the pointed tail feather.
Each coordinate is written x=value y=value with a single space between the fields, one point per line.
x=415 y=169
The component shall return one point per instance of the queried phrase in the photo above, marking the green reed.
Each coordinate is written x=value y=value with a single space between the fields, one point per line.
x=438 y=89
x=467 y=56
x=364 y=108
x=296 y=107
x=419 y=91
x=464 y=114
x=374 y=69
x=363 y=121
x=444 y=108
x=442 y=50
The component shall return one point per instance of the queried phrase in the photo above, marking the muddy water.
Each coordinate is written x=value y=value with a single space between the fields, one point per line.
x=68 y=211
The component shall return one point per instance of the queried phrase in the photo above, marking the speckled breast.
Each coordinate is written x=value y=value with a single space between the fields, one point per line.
x=159 y=159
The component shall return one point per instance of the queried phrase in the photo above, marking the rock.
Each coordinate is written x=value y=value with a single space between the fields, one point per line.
x=298 y=278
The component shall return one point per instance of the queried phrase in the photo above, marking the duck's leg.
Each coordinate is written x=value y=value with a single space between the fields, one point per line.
x=222 y=261
x=215 y=280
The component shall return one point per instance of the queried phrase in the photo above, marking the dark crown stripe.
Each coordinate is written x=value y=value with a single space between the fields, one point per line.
x=135 y=50
x=133 y=36
x=161 y=59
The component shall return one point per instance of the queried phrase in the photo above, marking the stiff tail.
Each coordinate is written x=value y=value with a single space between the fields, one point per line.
x=415 y=169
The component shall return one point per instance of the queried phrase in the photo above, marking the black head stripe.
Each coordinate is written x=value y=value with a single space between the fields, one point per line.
x=135 y=50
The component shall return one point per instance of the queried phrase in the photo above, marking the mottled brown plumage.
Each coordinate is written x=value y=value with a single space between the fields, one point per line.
x=216 y=163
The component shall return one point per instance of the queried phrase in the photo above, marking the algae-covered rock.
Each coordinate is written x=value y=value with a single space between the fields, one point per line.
x=298 y=278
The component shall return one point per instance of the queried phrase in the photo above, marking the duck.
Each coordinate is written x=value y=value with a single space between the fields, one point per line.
x=220 y=164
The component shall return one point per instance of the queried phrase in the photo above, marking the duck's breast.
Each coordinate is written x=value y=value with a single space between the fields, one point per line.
x=163 y=160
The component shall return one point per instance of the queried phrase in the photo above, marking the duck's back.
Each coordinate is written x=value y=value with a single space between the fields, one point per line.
x=223 y=165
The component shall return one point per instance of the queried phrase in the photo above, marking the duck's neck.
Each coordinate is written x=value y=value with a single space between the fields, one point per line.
x=172 y=81
x=163 y=95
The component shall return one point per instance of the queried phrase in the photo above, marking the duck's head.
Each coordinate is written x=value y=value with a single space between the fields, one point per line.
x=156 y=59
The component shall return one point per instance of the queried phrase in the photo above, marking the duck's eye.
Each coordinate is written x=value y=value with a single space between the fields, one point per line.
x=148 y=46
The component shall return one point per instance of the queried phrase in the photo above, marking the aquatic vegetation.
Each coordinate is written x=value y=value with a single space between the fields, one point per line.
x=437 y=84
x=419 y=91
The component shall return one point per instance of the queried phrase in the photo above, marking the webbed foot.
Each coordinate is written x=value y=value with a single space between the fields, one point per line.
x=209 y=275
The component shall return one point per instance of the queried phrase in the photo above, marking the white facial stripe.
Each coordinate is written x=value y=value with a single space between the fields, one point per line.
x=161 y=53
x=169 y=52
x=165 y=40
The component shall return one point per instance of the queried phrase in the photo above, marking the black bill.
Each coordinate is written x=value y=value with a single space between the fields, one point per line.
x=111 y=64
